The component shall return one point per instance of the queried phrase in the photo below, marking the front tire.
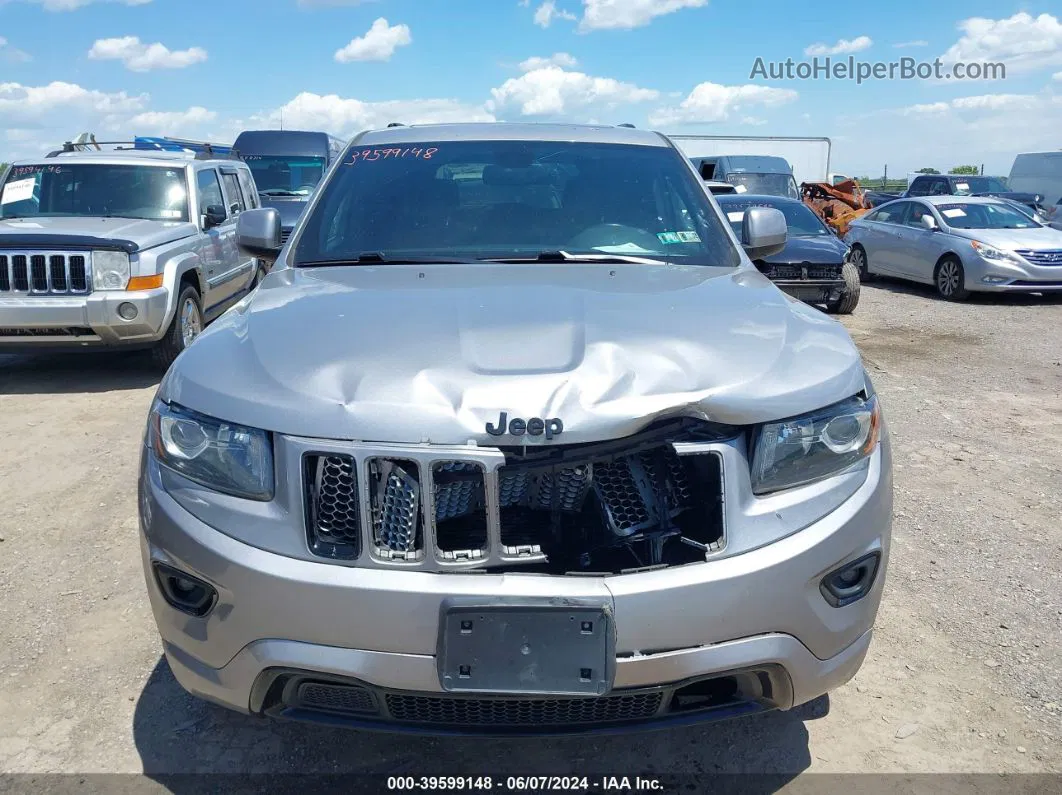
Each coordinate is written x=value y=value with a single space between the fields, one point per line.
x=186 y=325
x=950 y=280
x=846 y=304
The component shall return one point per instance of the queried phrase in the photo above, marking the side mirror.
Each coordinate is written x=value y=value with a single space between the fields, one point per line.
x=215 y=215
x=258 y=233
x=763 y=232
x=929 y=222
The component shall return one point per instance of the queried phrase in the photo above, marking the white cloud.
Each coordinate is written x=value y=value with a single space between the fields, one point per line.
x=26 y=104
x=1022 y=42
x=553 y=91
x=39 y=118
x=73 y=5
x=548 y=11
x=842 y=47
x=925 y=109
x=140 y=57
x=753 y=120
x=12 y=54
x=1057 y=76
x=916 y=43
x=378 y=44
x=712 y=102
x=346 y=116
x=557 y=59
x=979 y=129
x=162 y=122
x=627 y=14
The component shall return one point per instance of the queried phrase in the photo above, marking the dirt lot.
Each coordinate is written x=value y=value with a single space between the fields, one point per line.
x=965 y=673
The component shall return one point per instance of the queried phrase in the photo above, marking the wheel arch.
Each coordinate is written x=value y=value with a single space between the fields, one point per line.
x=182 y=270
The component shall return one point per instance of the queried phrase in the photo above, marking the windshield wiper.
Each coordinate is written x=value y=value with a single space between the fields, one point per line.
x=564 y=256
x=280 y=192
x=379 y=258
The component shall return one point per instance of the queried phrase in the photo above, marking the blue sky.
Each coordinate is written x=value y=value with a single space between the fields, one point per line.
x=193 y=68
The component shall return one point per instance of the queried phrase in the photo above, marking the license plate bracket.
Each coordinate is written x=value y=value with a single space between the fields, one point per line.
x=553 y=647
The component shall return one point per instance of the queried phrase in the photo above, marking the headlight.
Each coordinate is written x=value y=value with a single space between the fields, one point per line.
x=993 y=253
x=815 y=446
x=110 y=270
x=217 y=454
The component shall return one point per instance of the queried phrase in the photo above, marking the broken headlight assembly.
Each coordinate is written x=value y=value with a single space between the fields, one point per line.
x=811 y=447
x=220 y=455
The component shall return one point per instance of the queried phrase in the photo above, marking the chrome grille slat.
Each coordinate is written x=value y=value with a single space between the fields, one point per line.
x=1050 y=258
x=45 y=273
x=511 y=519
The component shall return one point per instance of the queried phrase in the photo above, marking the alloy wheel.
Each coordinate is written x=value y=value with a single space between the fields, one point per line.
x=191 y=322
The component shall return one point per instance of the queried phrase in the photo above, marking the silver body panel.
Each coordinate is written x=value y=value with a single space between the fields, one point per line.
x=177 y=250
x=913 y=252
x=412 y=362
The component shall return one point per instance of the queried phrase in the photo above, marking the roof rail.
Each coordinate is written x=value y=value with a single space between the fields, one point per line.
x=626 y=124
x=396 y=124
x=203 y=150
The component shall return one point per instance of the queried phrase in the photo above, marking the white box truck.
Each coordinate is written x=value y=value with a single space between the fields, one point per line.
x=1038 y=172
x=809 y=158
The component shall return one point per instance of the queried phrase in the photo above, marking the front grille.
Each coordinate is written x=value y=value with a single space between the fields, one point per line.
x=59 y=331
x=801 y=271
x=527 y=506
x=542 y=712
x=1052 y=257
x=298 y=694
x=337 y=698
x=44 y=273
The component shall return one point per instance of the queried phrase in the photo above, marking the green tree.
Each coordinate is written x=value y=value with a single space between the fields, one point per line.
x=972 y=171
x=927 y=171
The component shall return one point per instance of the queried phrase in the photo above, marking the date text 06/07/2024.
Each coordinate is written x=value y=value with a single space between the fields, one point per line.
x=525 y=783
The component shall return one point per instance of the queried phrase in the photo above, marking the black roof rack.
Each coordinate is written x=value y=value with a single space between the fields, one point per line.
x=203 y=150
x=626 y=124
x=396 y=124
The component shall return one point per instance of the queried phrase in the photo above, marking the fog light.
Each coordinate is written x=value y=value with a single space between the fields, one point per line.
x=851 y=582
x=184 y=592
x=126 y=311
x=995 y=279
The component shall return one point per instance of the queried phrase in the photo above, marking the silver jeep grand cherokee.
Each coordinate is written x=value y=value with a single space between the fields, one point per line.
x=515 y=438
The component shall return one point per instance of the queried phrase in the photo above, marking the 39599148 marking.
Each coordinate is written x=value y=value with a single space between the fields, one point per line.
x=411 y=783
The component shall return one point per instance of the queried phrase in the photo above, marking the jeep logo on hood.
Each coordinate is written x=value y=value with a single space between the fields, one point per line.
x=536 y=426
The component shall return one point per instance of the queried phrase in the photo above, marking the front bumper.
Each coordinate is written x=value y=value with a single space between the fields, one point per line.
x=278 y=619
x=812 y=291
x=30 y=322
x=1011 y=277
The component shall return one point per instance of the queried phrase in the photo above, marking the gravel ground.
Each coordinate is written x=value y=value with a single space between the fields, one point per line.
x=965 y=673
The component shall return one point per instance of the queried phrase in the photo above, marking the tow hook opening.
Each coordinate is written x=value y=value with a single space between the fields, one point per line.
x=184 y=592
x=850 y=582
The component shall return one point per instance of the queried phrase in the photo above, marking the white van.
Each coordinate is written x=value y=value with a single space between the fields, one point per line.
x=1038 y=172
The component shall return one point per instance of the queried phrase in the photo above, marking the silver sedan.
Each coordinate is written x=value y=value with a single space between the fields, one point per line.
x=959 y=245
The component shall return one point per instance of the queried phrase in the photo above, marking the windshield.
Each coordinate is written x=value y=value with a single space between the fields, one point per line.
x=766 y=184
x=800 y=220
x=985 y=216
x=468 y=200
x=285 y=175
x=156 y=193
x=967 y=185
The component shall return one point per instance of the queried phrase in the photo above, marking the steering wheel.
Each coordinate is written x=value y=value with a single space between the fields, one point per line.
x=615 y=235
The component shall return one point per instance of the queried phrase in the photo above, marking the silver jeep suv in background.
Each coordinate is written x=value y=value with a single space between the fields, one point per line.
x=515 y=438
x=128 y=247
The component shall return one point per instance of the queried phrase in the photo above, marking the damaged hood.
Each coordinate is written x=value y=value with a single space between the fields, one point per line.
x=431 y=354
